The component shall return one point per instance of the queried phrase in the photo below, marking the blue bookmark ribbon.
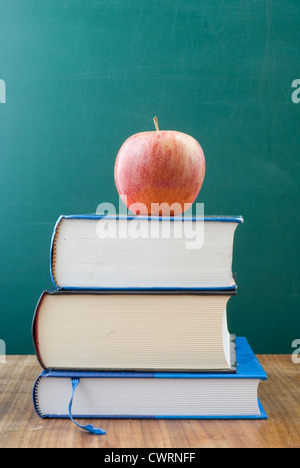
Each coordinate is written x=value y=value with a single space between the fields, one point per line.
x=89 y=427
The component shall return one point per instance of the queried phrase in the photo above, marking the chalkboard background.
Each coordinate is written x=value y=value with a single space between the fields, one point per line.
x=82 y=76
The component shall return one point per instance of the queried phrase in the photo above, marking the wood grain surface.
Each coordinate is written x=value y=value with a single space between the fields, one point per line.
x=20 y=427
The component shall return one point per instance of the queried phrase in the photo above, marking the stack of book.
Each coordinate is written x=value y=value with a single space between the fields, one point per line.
x=137 y=322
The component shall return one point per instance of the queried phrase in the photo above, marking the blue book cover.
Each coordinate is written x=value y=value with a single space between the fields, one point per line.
x=154 y=395
x=86 y=255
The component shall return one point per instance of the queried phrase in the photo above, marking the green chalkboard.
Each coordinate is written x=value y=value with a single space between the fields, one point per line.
x=79 y=77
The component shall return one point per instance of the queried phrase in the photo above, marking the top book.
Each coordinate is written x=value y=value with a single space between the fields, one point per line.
x=134 y=252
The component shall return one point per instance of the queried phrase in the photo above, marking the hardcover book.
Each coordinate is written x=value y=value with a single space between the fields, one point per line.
x=135 y=331
x=114 y=252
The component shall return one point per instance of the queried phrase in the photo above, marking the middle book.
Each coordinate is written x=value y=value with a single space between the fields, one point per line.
x=143 y=331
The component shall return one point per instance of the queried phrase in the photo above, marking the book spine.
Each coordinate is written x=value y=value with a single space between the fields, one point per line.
x=34 y=330
x=35 y=400
x=53 y=252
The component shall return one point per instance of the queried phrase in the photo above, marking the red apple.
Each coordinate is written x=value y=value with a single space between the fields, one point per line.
x=159 y=173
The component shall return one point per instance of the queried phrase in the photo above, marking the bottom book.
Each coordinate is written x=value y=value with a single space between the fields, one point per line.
x=154 y=395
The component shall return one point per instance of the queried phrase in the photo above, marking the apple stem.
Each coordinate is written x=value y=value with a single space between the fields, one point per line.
x=156 y=124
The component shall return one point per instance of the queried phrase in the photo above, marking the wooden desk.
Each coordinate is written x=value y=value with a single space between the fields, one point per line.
x=20 y=427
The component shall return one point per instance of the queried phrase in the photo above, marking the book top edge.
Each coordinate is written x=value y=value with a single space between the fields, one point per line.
x=213 y=218
x=226 y=291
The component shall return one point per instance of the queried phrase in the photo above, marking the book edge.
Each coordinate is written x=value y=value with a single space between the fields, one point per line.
x=240 y=342
x=217 y=218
